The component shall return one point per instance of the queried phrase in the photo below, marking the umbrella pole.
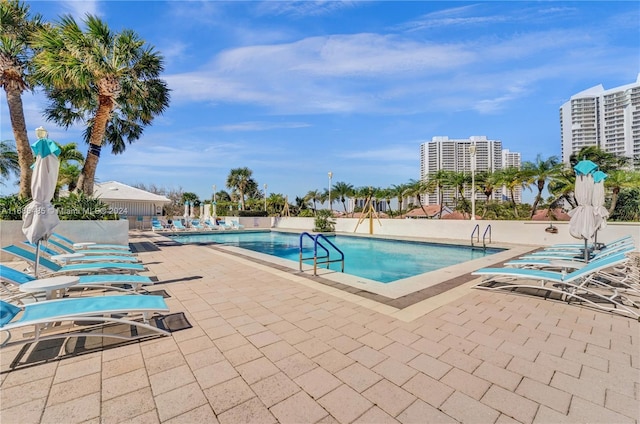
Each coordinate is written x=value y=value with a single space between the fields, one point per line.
x=586 y=252
x=35 y=269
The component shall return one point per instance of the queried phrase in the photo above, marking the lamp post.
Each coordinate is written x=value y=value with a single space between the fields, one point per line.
x=472 y=153
x=41 y=133
x=330 y=205
x=265 y=197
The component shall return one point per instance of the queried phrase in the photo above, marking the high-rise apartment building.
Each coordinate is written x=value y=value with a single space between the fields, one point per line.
x=608 y=119
x=511 y=160
x=442 y=153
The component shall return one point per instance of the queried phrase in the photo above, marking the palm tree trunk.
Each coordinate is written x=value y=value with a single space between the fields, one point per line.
x=88 y=174
x=441 y=202
x=513 y=201
x=23 y=147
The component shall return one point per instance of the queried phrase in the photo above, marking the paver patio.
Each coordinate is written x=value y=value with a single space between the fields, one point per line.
x=269 y=346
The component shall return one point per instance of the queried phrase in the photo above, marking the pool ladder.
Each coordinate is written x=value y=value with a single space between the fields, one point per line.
x=476 y=233
x=320 y=260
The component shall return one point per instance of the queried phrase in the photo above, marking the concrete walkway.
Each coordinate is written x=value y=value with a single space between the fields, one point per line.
x=269 y=346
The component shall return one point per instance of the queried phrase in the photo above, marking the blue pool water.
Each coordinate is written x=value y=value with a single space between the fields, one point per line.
x=381 y=260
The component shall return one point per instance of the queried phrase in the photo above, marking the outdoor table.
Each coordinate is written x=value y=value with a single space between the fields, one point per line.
x=67 y=257
x=51 y=286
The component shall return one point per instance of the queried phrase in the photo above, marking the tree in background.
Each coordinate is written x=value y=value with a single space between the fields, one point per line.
x=342 y=191
x=313 y=196
x=69 y=172
x=15 y=67
x=107 y=81
x=9 y=163
x=239 y=179
x=541 y=171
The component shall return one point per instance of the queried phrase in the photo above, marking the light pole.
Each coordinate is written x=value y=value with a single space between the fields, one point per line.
x=265 y=197
x=472 y=153
x=330 y=205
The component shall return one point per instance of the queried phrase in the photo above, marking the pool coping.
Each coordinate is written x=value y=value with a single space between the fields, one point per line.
x=400 y=294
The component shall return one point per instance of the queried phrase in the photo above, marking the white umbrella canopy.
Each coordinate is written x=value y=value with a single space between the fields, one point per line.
x=207 y=211
x=597 y=200
x=583 y=223
x=40 y=217
x=186 y=209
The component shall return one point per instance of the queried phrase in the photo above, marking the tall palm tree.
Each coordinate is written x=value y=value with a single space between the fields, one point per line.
x=15 y=64
x=69 y=172
x=415 y=188
x=606 y=161
x=563 y=186
x=617 y=180
x=108 y=81
x=313 y=196
x=239 y=180
x=342 y=191
x=438 y=181
x=540 y=171
x=459 y=180
x=488 y=182
x=398 y=190
x=513 y=178
x=9 y=162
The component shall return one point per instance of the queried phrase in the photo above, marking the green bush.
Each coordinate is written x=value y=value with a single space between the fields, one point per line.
x=251 y=213
x=305 y=213
x=85 y=208
x=324 y=222
x=11 y=207
x=76 y=206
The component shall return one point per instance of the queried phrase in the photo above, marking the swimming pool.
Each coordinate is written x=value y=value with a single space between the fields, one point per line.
x=377 y=259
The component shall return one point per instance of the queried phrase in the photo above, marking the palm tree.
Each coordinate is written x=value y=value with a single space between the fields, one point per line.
x=606 y=161
x=513 y=178
x=69 y=172
x=9 y=162
x=563 y=186
x=313 y=196
x=398 y=191
x=108 y=81
x=415 y=188
x=617 y=180
x=438 y=181
x=342 y=190
x=540 y=171
x=459 y=180
x=239 y=180
x=15 y=64
x=488 y=181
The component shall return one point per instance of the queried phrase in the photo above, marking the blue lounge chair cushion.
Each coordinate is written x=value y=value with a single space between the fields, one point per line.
x=7 y=312
x=18 y=277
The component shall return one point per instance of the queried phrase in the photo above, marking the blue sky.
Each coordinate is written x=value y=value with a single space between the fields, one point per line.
x=294 y=90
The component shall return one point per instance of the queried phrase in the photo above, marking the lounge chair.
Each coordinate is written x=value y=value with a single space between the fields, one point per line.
x=87 y=245
x=236 y=225
x=582 y=285
x=210 y=225
x=177 y=225
x=15 y=277
x=195 y=224
x=580 y=246
x=50 y=254
x=52 y=267
x=563 y=260
x=157 y=226
x=100 y=309
x=577 y=255
x=62 y=248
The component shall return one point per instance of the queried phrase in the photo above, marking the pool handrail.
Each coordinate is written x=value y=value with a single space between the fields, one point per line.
x=316 y=243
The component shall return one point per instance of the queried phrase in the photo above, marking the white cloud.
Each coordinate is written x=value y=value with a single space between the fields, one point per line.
x=79 y=9
x=262 y=126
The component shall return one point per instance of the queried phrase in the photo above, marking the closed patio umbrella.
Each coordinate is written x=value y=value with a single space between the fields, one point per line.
x=597 y=200
x=40 y=217
x=583 y=224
